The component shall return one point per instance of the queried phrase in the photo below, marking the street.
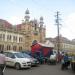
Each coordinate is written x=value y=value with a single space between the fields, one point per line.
x=40 y=70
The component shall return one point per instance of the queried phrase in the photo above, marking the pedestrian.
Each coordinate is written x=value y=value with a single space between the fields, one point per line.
x=65 y=61
x=2 y=62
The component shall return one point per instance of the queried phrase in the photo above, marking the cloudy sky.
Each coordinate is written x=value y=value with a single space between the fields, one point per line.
x=14 y=12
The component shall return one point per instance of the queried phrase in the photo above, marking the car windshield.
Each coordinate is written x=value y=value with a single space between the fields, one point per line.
x=19 y=55
x=26 y=55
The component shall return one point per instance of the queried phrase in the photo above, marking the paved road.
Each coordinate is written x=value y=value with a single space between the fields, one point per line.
x=41 y=70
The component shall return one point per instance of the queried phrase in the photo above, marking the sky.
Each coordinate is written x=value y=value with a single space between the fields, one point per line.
x=14 y=11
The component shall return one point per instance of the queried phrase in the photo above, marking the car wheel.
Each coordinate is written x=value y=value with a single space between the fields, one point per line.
x=17 y=66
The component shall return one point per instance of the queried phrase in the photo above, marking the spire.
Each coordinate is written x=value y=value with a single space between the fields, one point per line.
x=35 y=21
x=35 y=24
x=27 y=17
x=41 y=21
x=27 y=11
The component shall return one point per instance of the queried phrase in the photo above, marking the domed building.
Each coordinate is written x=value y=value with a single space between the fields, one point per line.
x=21 y=36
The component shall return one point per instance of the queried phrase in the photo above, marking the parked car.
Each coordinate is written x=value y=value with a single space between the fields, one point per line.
x=34 y=62
x=27 y=52
x=17 y=60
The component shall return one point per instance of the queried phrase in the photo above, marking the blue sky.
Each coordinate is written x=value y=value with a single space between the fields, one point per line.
x=14 y=11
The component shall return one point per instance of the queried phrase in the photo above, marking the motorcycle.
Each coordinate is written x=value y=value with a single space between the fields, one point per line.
x=65 y=65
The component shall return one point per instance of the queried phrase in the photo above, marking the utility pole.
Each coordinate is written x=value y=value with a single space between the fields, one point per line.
x=57 y=20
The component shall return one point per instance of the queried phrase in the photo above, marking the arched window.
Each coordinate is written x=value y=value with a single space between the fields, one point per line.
x=14 y=48
x=20 y=48
x=8 y=47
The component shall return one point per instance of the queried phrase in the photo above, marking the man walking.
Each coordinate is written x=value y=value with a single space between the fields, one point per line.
x=2 y=62
x=65 y=61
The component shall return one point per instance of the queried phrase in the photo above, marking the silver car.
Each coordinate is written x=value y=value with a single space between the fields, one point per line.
x=17 y=60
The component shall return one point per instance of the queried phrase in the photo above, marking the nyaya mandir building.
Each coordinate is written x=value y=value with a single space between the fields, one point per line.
x=20 y=37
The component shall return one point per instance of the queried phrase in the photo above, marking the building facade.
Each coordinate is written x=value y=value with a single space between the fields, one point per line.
x=21 y=36
x=64 y=43
x=11 y=40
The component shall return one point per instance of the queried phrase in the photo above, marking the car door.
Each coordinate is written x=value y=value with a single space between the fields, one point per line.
x=6 y=56
x=10 y=59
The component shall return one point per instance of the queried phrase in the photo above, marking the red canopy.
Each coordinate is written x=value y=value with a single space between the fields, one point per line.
x=35 y=47
x=41 y=48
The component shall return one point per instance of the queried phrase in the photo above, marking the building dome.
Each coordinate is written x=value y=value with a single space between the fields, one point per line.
x=27 y=17
x=41 y=18
x=27 y=11
x=41 y=21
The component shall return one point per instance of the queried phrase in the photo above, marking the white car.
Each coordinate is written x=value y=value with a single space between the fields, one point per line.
x=17 y=60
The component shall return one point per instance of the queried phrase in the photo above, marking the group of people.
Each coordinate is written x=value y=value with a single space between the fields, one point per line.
x=62 y=58
x=2 y=63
